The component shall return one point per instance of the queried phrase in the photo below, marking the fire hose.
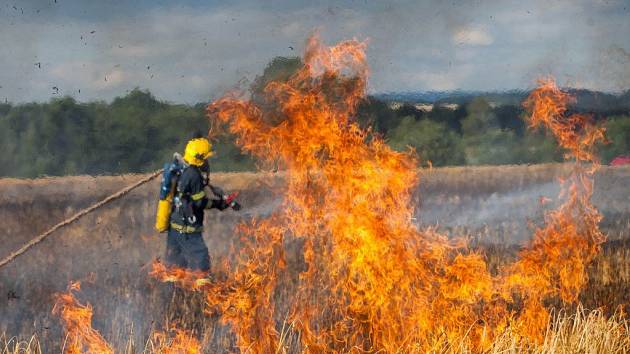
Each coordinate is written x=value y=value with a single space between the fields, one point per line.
x=76 y=217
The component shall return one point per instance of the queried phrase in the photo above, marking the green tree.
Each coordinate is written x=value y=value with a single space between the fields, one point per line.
x=452 y=118
x=378 y=115
x=618 y=135
x=279 y=69
x=510 y=118
x=432 y=141
x=484 y=141
x=537 y=146
x=134 y=133
x=228 y=157
x=494 y=147
x=480 y=118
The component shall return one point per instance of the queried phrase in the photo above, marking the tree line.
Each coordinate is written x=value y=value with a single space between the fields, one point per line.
x=133 y=133
x=138 y=133
x=480 y=133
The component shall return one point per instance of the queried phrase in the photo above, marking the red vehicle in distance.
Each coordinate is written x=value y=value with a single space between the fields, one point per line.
x=620 y=160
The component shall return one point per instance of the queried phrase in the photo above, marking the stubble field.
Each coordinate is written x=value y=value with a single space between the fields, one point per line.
x=111 y=250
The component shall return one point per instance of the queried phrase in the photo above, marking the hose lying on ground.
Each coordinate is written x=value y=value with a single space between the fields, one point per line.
x=76 y=217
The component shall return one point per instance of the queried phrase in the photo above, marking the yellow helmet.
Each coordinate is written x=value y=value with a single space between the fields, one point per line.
x=197 y=151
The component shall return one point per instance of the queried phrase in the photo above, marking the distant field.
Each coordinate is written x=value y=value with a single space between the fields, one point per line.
x=495 y=207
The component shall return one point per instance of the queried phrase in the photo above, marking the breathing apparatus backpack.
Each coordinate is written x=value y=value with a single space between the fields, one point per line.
x=172 y=171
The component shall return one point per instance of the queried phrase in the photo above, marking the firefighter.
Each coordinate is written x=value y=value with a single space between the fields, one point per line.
x=185 y=246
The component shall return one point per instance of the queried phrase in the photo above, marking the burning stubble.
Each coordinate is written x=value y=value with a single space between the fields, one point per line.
x=373 y=281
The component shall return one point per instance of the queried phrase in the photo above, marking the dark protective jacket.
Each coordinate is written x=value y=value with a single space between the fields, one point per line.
x=191 y=200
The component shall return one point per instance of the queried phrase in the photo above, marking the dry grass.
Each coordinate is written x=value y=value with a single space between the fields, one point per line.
x=14 y=345
x=582 y=332
x=118 y=242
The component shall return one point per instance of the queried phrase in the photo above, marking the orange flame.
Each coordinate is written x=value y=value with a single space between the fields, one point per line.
x=77 y=319
x=181 y=343
x=373 y=281
x=82 y=338
x=555 y=262
x=576 y=133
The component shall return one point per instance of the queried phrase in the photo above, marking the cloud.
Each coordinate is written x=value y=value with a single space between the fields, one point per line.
x=449 y=79
x=112 y=78
x=193 y=53
x=613 y=65
x=132 y=51
x=435 y=80
x=472 y=37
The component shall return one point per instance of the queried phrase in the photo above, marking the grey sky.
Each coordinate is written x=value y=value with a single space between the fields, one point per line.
x=192 y=51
